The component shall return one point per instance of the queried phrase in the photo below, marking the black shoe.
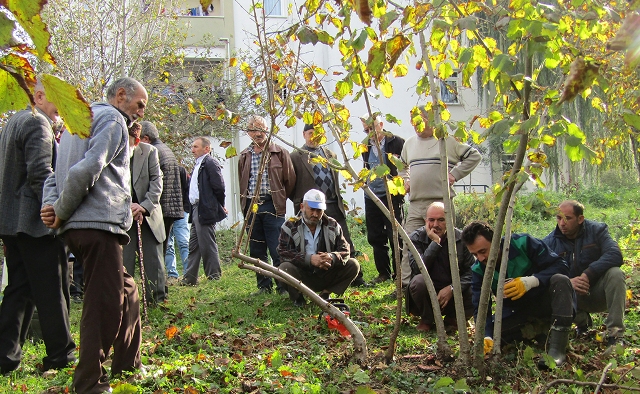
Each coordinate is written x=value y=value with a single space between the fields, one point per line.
x=262 y=290
x=379 y=279
x=612 y=345
x=582 y=330
x=358 y=282
x=283 y=292
x=300 y=302
x=184 y=282
x=214 y=277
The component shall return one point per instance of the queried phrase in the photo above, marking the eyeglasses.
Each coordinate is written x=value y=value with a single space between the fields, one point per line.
x=367 y=130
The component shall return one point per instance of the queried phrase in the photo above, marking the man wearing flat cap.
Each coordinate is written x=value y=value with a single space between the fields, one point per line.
x=313 y=249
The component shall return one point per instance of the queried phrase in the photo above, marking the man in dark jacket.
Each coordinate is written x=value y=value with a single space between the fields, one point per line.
x=276 y=184
x=171 y=197
x=315 y=175
x=536 y=286
x=179 y=233
x=206 y=194
x=36 y=260
x=314 y=251
x=379 y=230
x=594 y=261
x=431 y=242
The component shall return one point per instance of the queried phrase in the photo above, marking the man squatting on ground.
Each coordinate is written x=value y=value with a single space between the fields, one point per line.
x=432 y=243
x=314 y=251
x=594 y=260
x=536 y=286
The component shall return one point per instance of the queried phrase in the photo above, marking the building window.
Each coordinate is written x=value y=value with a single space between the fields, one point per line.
x=273 y=7
x=449 y=89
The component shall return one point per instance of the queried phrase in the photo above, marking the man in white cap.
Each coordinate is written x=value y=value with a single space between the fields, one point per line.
x=313 y=250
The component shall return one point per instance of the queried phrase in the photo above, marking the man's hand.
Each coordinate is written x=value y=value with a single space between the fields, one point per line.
x=225 y=210
x=444 y=296
x=138 y=212
x=407 y=186
x=433 y=236
x=49 y=218
x=581 y=284
x=321 y=260
x=516 y=288
x=452 y=179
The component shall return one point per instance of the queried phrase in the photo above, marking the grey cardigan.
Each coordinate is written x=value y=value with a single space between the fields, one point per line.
x=91 y=186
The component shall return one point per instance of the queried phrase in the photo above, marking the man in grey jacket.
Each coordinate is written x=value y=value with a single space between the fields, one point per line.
x=88 y=199
x=36 y=261
x=146 y=187
x=171 y=197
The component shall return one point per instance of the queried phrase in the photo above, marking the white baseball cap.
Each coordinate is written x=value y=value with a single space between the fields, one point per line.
x=315 y=199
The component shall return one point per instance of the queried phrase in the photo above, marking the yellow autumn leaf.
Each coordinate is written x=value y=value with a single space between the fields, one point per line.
x=254 y=208
x=386 y=88
x=345 y=174
x=233 y=62
x=629 y=294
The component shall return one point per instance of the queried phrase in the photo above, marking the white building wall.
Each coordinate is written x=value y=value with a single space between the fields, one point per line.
x=398 y=105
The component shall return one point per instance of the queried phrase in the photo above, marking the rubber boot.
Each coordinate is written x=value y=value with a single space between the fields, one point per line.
x=557 y=346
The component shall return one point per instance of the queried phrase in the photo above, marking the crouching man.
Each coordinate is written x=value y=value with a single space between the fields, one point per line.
x=594 y=259
x=431 y=242
x=313 y=250
x=537 y=286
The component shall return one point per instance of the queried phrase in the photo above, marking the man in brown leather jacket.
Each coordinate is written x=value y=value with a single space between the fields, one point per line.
x=272 y=189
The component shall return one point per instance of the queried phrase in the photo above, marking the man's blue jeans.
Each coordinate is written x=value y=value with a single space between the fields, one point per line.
x=179 y=232
x=264 y=236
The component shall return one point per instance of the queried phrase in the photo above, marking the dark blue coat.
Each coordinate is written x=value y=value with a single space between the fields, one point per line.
x=593 y=252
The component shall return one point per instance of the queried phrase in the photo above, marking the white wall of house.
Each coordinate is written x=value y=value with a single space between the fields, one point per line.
x=399 y=105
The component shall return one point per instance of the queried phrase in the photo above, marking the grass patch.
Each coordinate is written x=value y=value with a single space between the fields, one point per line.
x=218 y=338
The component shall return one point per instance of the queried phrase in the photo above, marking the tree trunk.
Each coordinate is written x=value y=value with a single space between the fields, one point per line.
x=485 y=295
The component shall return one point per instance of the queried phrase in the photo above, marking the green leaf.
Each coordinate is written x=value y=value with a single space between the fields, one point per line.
x=461 y=385
x=73 y=108
x=445 y=70
x=307 y=117
x=325 y=38
x=28 y=15
x=381 y=170
x=387 y=19
x=12 y=95
x=632 y=120
x=230 y=152
x=511 y=144
x=307 y=36
x=377 y=59
x=276 y=359
x=6 y=31
x=343 y=88
x=396 y=161
x=395 y=46
x=125 y=388
x=444 y=382
x=467 y=23
x=361 y=376
x=358 y=43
